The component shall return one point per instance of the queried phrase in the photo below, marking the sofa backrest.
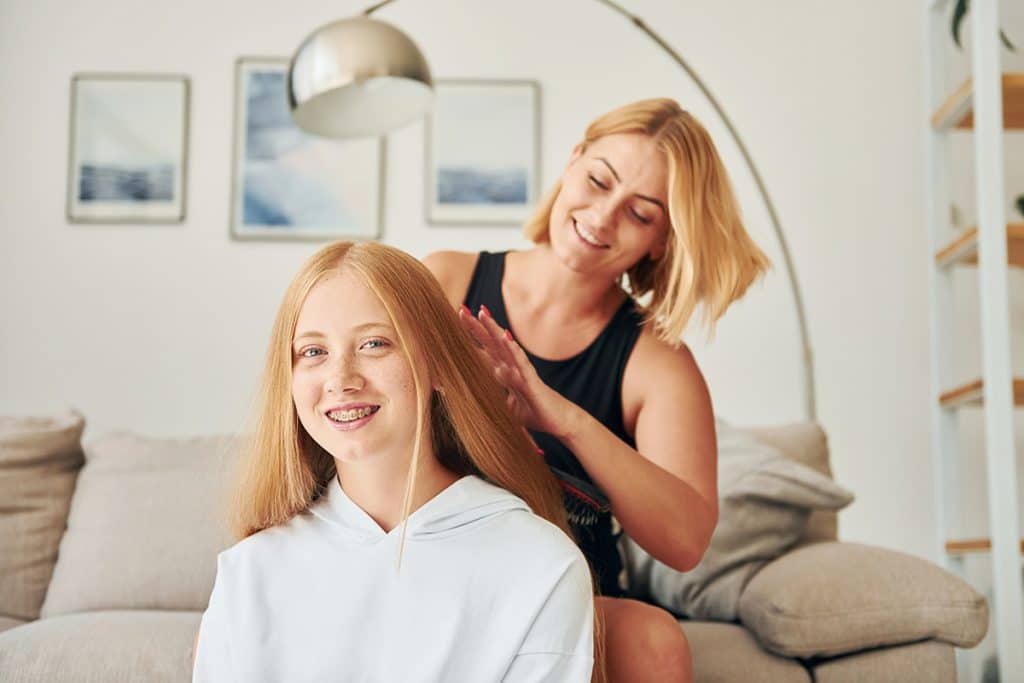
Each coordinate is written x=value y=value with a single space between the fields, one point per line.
x=145 y=522
x=145 y=525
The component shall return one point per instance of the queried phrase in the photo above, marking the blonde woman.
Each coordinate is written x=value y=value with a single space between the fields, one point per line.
x=584 y=330
x=396 y=523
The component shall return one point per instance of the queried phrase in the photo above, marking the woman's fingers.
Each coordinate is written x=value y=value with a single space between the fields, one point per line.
x=499 y=336
x=518 y=356
x=475 y=328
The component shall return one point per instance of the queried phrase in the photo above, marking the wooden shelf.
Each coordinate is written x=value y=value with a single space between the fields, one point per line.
x=964 y=247
x=973 y=546
x=956 y=111
x=973 y=394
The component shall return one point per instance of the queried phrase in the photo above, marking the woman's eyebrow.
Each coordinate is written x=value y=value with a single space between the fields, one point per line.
x=610 y=168
x=652 y=200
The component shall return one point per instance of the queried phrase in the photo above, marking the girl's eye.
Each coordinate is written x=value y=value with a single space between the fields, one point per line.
x=374 y=344
x=597 y=182
x=310 y=352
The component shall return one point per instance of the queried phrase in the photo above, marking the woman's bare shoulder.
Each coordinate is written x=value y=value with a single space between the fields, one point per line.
x=454 y=270
x=655 y=363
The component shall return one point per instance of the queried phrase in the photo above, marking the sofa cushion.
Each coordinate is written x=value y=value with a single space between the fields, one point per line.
x=929 y=660
x=39 y=459
x=794 y=608
x=764 y=501
x=727 y=653
x=8 y=623
x=102 y=647
x=145 y=526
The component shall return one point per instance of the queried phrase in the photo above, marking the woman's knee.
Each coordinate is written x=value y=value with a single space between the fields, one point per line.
x=645 y=643
x=665 y=643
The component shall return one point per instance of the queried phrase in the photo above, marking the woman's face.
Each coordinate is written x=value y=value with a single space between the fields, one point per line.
x=352 y=386
x=612 y=209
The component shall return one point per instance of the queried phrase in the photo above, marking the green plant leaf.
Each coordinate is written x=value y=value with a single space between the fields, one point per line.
x=959 y=12
x=1006 y=42
x=1020 y=204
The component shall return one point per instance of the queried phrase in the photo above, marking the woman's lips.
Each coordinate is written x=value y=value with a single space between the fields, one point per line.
x=583 y=237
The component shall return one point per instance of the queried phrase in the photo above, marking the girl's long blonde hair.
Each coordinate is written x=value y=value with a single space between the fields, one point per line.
x=466 y=418
x=709 y=259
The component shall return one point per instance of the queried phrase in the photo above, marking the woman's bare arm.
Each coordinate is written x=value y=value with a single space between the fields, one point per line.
x=663 y=492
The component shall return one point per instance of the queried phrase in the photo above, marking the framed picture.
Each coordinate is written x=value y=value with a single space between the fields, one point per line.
x=288 y=184
x=128 y=148
x=483 y=147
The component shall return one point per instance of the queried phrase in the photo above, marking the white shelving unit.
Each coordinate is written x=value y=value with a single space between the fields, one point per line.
x=986 y=103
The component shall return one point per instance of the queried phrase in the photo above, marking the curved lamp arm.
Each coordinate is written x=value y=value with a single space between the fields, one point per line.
x=808 y=359
x=809 y=395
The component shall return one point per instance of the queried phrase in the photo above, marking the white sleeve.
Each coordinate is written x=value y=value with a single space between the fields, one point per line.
x=560 y=645
x=213 y=653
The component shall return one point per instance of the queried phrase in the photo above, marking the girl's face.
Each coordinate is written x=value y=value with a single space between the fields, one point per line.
x=352 y=386
x=612 y=209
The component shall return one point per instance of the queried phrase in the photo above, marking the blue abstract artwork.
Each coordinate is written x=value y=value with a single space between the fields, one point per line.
x=128 y=148
x=289 y=183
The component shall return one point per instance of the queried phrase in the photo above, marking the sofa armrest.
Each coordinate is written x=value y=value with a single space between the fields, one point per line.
x=834 y=598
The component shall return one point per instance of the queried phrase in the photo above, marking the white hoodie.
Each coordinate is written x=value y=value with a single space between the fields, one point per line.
x=487 y=591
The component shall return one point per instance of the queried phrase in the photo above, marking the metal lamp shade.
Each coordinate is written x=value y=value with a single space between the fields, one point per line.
x=358 y=77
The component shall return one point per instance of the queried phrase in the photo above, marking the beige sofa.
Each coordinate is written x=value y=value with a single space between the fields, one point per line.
x=105 y=570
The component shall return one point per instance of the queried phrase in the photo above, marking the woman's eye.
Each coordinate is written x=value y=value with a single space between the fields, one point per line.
x=374 y=344
x=597 y=182
x=310 y=352
x=642 y=218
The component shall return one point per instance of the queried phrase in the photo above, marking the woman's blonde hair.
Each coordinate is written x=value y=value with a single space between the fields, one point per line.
x=709 y=259
x=470 y=426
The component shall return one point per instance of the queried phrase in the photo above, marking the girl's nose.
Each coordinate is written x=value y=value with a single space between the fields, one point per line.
x=343 y=378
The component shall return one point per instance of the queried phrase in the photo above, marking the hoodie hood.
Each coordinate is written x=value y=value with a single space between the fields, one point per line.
x=463 y=505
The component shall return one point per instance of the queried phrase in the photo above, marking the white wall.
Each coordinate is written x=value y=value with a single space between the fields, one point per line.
x=162 y=329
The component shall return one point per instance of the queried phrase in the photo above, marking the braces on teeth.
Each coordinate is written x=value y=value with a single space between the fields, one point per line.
x=350 y=415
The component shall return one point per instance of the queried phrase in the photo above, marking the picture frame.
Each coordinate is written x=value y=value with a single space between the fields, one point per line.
x=127 y=148
x=482 y=152
x=288 y=184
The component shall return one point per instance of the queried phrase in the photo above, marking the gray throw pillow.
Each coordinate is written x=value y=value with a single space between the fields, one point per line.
x=764 y=502
x=39 y=460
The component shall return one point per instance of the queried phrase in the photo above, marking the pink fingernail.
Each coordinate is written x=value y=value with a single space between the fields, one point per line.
x=508 y=335
x=485 y=311
x=464 y=309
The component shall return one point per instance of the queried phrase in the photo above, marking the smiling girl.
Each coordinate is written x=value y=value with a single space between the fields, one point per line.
x=396 y=523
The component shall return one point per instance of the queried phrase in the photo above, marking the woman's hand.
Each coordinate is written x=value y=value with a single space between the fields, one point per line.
x=540 y=407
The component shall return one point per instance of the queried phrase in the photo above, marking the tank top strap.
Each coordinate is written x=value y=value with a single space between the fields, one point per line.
x=485 y=286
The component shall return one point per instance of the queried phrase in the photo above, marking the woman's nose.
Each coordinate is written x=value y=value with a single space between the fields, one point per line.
x=604 y=214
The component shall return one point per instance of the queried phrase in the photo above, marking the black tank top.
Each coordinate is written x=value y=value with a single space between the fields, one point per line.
x=592 y=379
